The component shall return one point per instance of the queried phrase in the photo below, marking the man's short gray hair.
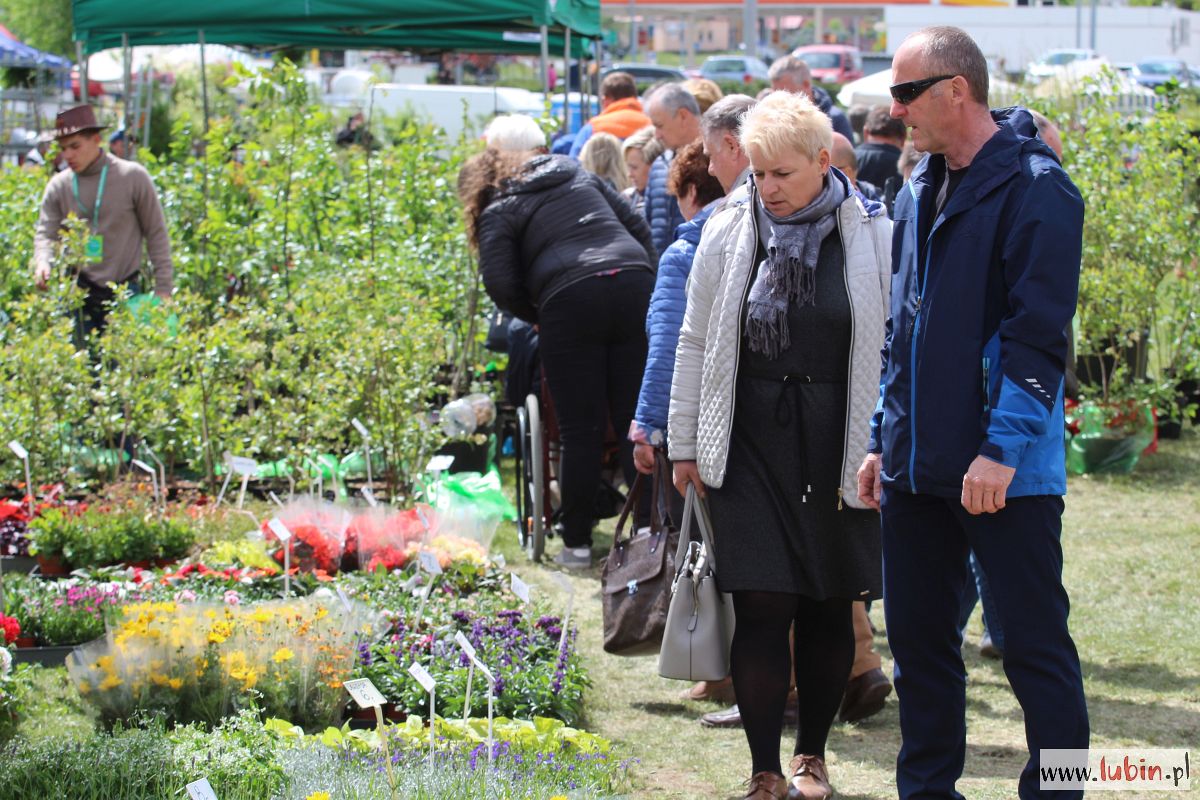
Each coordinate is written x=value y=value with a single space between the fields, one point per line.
x=951 y=51
x=725 y=115
x=671 y=97
x=790 y=65
x=514 y=133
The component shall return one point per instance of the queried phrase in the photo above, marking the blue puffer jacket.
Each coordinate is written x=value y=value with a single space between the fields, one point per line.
x=662 y=210
x=976 y=344
x=663 y=321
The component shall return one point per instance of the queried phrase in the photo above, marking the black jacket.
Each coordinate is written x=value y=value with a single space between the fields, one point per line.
x=877 y=162
x=841 y=123
x=552 y=225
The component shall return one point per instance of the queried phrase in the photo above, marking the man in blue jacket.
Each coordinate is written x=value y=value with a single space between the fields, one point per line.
x=967 y=439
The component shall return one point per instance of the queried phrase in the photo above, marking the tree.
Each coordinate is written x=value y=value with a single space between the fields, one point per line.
x=44 y=24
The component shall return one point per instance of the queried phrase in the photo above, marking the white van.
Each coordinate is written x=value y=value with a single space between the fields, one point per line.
x=444 y=105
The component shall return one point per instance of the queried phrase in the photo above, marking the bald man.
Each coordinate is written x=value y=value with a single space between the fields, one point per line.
x=842 y=156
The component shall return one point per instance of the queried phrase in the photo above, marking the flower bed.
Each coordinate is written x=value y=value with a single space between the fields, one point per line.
x=202 y=662
x=65 y=612
x=97 y=537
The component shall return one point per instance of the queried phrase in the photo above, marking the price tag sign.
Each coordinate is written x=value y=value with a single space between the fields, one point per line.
x=500 y=560
x=18 y=451
x=520 y=588
x=362 y=429
x=423 y=677
x=341 y=593
x=201 y=790
x=563 y=582
x=424 y=519
x=439 y=463
x=243 y=466
x=279 y=529
x=429 y=562
x=369 y=496
x=144 y=467
x=465 y=644
x=364 y=693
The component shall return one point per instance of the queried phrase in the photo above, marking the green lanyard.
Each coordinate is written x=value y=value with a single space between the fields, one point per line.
x=99 y=196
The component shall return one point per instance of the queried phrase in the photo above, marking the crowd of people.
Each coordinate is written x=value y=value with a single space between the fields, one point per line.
x=851 y=343
x=847 y=333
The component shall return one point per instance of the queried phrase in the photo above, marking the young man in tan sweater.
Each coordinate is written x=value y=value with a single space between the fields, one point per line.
x=118 y=201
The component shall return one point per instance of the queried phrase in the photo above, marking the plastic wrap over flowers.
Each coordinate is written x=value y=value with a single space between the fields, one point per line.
x=318 y=535
x=204 y=661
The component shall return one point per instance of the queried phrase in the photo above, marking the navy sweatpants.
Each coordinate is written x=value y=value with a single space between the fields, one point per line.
x=925 y=541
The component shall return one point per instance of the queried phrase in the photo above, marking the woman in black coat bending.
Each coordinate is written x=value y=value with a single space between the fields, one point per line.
x=558 y=247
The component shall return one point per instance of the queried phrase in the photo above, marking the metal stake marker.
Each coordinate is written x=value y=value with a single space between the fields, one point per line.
x=149 y=470
x=23 y=454
x=284 y=535
x=429 y=685
x=162 y=473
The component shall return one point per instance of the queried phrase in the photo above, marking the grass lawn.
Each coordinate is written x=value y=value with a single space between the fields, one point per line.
x=1130 y=569
x=1130 y=545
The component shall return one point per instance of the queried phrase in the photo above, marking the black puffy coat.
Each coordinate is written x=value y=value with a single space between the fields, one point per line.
x=552 y=225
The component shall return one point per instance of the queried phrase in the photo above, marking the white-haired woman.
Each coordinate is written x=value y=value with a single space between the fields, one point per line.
x=776 y=376
x=515 y=133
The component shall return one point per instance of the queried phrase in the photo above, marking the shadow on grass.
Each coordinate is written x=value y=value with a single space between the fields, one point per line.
x=669 y=710
x=1139 y=675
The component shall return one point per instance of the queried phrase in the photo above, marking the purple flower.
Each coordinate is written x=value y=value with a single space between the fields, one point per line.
x=364 y=654
x=510 y=614
x=461 y=617
x=547 y=621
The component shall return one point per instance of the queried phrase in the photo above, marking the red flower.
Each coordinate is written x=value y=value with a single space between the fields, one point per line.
x=11 y=628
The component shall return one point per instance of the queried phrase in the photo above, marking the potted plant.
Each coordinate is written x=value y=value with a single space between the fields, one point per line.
x=50 y=535
x=1137 y=284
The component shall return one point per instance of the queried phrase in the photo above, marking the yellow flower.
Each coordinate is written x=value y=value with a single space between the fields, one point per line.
x=283 y=654
x=175 y=683
x=262 y=615
x=110 y=682
x=322 y=613
x=325 y=796
x=85 y=688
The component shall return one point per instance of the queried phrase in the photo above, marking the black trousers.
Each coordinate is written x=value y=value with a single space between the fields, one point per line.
x=92 y=316
x=593 y=349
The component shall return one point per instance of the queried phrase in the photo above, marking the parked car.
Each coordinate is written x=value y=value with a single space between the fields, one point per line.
x=742 y=69
x=646 y=74
x=832 y=63
x=1053 y=60
x=1154 y=72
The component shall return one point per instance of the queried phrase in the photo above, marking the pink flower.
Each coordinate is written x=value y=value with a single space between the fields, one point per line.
x=232 y=598
x=185 y=596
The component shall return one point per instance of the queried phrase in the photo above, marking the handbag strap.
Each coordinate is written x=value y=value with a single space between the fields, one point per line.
x=662 y=482
x=631 y=499
x=695 y=508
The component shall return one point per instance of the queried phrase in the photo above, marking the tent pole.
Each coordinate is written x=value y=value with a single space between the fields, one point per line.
x=81 y=62
x=127 y=62
x=545 y=61
x=567 y=82
x=203 y=81
x=599 y=48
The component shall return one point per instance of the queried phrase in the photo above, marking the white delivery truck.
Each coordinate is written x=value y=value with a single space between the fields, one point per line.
x=444 y=105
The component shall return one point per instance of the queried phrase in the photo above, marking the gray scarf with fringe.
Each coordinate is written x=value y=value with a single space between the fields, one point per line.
x=789 y=272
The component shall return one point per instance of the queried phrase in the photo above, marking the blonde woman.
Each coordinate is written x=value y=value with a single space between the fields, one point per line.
x=776 y=376
x=602 y=156
x=640 y=151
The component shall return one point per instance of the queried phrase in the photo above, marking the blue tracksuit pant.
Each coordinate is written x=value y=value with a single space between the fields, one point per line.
x=925 y=543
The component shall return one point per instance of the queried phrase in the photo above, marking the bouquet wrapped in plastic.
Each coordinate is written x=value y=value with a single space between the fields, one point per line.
x=318 y=535
x=202 y=662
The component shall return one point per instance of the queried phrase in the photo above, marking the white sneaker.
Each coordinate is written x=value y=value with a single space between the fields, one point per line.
x=574 y=558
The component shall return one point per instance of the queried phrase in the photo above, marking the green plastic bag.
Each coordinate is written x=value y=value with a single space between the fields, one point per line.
x=142 y=306
x=1109 y=440
x=482 y=492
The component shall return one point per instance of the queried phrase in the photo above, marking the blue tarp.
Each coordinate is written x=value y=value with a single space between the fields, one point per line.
x=17 y=54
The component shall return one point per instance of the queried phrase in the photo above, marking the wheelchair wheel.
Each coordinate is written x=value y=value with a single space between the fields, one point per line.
x=531 y=477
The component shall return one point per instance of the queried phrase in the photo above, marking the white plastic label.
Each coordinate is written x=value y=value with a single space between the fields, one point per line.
x=362 y=429
x=520 y=588
x=563 y=582
x=201 y=790
x=429 y=562
x=144 y=467
x=424 y=519
x=341 y=593
x=243 y=466
x=364 y=693
x=18 y=451
x=500 y=560
x=423 y=677
x=465 y=644
x=408 y=585
x=439 y=463
x=369 y=496
x=279 y=529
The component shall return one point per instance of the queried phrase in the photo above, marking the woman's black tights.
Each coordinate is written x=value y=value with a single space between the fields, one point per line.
x=761 y=661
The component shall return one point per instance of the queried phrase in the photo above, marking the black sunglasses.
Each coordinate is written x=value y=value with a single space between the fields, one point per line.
x=905 y=93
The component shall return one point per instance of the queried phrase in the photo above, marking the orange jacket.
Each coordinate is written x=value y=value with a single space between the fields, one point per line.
x=622 y=118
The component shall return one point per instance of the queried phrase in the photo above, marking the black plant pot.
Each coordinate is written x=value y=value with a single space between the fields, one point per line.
x=1170 y=429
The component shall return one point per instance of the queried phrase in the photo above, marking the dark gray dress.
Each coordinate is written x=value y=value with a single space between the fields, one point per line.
x=789 y=426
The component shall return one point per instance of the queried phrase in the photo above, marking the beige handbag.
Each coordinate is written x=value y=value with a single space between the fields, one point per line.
x=695 y=644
